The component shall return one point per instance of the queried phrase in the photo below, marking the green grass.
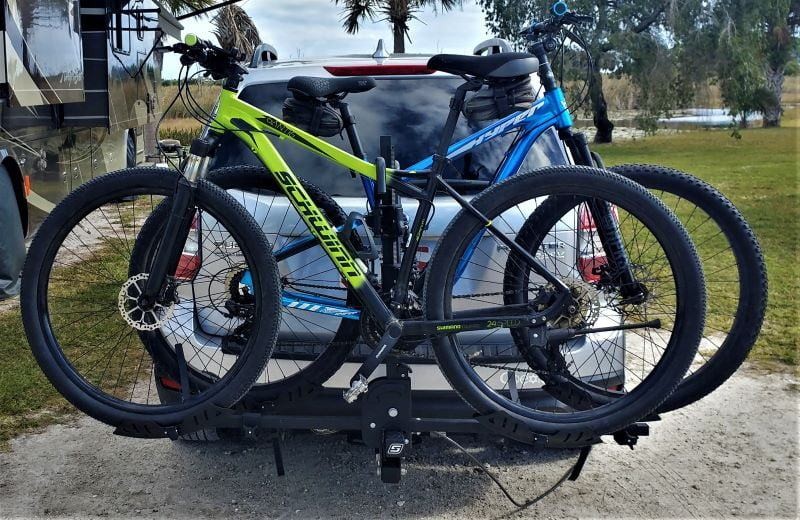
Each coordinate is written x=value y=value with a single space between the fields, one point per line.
x=759 y=173
x=27 y=399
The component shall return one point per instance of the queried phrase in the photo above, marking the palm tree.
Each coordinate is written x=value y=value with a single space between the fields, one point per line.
x=183 y=6
x=397 y=12
x=234 y=28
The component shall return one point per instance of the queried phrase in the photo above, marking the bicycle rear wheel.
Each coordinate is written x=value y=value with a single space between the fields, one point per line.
x=83 y=315
x=585 y=387
x=734 y=269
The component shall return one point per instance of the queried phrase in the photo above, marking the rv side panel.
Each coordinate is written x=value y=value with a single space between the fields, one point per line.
x=44 y=62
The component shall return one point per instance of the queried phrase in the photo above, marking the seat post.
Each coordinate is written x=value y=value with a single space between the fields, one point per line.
x=350 y=127
x=456 y=105
x=356 y=146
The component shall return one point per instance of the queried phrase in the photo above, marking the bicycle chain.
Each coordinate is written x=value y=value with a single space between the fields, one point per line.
x=311 y=285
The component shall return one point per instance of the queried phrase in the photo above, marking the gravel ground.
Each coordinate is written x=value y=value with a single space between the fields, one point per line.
x=734 y=454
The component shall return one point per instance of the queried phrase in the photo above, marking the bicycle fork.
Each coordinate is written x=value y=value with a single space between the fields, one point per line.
x=607 y=227
x=176 y=229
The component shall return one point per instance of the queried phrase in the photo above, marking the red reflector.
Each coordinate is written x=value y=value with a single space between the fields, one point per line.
x=188 y=266
x=587 y=222
x=170 y=384
x=378 y=70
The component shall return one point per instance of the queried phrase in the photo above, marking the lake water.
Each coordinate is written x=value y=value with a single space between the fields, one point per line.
x=704 y=117
x=687 y=119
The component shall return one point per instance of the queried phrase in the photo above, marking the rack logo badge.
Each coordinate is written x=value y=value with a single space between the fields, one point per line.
x=395 y=448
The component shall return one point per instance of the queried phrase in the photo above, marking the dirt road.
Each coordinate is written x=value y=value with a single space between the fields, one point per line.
x=735 y=454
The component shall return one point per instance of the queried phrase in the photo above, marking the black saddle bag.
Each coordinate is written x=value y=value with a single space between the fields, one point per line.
x=312 y=115
x=499 y=99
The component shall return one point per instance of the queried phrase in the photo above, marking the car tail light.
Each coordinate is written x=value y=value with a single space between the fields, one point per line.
x=591 y=255
x=407 y=69
x=423 y=255
x=189 y=263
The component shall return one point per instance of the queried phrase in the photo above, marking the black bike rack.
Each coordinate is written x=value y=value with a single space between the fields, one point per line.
x=388 y=419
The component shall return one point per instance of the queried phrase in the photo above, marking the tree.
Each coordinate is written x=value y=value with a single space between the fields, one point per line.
x=233 y=27
x=782 y=19
x=397 y=12
x=184 y=6
x=752 y=45
x=618 y=37
x=741 y=78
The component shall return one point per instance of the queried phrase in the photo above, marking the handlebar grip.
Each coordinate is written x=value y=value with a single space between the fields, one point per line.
x=194 y=42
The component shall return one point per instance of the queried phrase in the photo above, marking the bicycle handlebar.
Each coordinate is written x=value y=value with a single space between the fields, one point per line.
x=561 y=16
x=219 y=63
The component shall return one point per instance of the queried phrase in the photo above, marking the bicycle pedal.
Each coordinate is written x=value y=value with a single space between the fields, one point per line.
x=357 y=387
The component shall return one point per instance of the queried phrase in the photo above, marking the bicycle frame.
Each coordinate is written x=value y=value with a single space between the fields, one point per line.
x=546 y=113
x=253 y=126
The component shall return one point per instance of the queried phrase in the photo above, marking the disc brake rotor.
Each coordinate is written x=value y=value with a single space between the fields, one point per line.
x=132 y=312
x=584 y=309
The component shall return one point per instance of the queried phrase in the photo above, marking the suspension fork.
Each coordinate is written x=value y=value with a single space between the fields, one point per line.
x=604 y=220
x=179 y=221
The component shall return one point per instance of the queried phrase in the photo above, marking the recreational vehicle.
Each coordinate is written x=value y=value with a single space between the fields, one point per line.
x=78 y=88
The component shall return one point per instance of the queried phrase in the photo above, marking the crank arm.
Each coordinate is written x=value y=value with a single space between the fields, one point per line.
x=358 y=384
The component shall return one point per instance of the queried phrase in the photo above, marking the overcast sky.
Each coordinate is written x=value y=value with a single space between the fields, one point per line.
x=313 y=28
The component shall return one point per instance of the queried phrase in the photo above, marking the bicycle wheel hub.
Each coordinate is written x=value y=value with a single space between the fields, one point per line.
x=135 y=313
x=584 y=310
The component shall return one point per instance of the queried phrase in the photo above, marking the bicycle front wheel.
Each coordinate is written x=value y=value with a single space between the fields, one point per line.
x=83 y=315
x=596 y=383
x=311 y=346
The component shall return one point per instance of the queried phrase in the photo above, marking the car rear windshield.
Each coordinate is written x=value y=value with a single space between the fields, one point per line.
x=411 y=110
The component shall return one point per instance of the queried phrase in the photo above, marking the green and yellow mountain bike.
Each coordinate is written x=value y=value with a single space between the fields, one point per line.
x=91 y=314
